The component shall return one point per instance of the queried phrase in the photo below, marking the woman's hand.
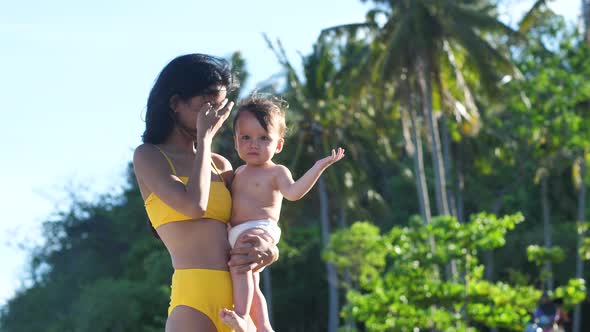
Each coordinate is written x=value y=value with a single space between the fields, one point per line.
x=253 y=252
x=212 y=117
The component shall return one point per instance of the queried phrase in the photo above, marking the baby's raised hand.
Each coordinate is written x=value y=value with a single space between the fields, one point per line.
x=326 y=162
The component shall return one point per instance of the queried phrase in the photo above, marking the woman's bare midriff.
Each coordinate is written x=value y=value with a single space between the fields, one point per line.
x=196 y=244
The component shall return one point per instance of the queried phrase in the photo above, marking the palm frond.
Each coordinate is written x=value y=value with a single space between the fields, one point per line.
x=346 y=29
x=531 y=17
x=397 y=49
x=293 y=80
x=479 y=19
x=490 y=63
x=470 y=107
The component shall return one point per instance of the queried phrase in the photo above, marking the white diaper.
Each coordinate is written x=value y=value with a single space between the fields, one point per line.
x=267 y=225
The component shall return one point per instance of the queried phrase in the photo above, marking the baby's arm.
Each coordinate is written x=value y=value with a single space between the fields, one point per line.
x=294 y=190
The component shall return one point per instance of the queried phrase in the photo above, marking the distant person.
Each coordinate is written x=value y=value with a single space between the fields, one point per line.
x=258 y=190
x=545 y=312
x=562 y=317
x=531 y=325
x=186 y=190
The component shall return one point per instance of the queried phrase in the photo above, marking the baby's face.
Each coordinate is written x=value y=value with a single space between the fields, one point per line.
x=255 y=145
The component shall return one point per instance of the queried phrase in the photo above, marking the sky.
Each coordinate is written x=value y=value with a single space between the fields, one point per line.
x=74 y=80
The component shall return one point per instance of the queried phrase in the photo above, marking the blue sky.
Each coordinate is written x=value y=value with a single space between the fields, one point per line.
x=74 y=79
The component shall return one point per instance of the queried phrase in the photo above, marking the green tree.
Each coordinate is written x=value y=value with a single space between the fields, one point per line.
x=319 y=108
x=396 y=291
x=94 y=252
x=411 y=43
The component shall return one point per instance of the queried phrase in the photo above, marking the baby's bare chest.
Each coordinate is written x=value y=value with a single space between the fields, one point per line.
x=253 y=183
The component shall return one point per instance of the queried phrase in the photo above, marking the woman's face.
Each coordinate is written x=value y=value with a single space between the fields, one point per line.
x=187 y=110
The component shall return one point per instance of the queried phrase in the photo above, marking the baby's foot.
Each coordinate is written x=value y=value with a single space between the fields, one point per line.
x=233 y=320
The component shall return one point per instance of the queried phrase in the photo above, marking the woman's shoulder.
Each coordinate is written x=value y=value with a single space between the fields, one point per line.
x=145 y=151
x=147 y=158
x=221 y=162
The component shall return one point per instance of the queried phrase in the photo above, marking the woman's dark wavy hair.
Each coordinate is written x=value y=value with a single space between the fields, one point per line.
x=187 y=76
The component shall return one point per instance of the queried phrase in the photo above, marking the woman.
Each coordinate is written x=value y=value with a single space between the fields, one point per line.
x=185 y=188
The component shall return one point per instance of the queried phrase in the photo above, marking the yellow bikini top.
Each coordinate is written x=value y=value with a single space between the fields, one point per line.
x=218 y=206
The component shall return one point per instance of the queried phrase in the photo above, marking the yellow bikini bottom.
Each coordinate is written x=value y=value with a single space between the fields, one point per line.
x=207 y=291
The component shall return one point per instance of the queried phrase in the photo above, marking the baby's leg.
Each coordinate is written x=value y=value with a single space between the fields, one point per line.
x=259 y=310
x=243 y=291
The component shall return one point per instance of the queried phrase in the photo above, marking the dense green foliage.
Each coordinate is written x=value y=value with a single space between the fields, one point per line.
x=512 y=109
x=410 y=291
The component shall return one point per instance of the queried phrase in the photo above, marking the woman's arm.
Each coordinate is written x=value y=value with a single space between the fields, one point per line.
x=154 y=172
x=152 y=169
x=253 y=252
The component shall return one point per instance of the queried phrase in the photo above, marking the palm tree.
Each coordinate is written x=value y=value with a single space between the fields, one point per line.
x=414 y=149
x=581 y=217
x=414 y=40
x=586 y=19
x=317 y=100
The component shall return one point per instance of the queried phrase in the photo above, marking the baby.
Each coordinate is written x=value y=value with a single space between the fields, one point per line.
x=257 y=190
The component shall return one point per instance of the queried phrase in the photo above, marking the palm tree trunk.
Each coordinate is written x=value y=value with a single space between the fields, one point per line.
x=298 y=150
x=581 y=218
x=582 y=191
x=495 y=209
x=470 y=112
x=419 y=171
x=330 y=268
x=586 y=18
x=267 y=290
x=417 y=157
x=347 y=276
x=446 y=150
x=425 y=85
x=420 y=175
x=440 y=183
x=547 y=227
x=489 y=255
x=460 y=184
